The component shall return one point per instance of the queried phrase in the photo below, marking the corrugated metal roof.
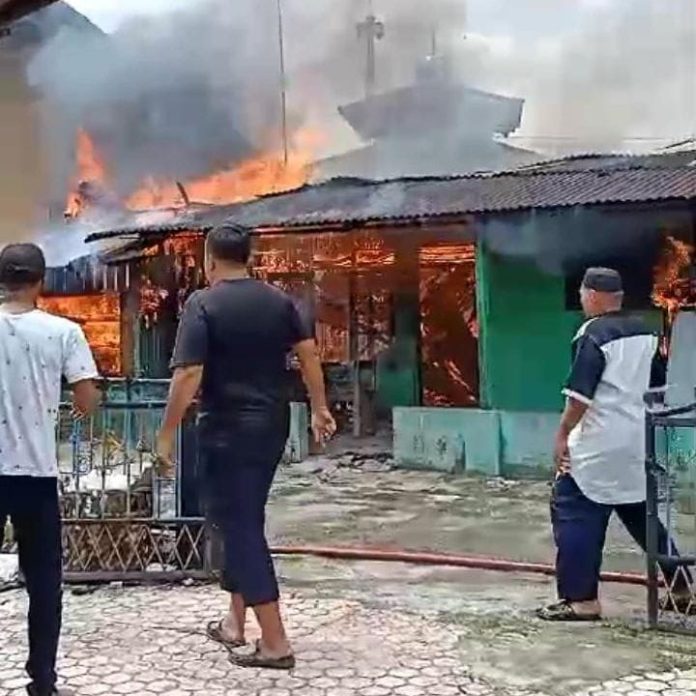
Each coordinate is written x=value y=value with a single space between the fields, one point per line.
x=356 y=201
x=667 y=159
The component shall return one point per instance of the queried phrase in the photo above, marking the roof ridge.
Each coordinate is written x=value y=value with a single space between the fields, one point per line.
x=494 y=174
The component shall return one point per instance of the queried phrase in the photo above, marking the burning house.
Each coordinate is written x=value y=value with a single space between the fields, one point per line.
x=444 y=304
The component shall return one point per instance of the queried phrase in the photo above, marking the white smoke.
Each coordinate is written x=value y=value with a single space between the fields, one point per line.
x=624 y=77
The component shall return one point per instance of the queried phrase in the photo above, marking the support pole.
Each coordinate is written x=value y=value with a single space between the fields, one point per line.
x=354 y=344
x=283 y=83
x=652 y=521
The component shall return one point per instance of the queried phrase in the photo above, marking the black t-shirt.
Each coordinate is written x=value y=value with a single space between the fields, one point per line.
x=241 y=331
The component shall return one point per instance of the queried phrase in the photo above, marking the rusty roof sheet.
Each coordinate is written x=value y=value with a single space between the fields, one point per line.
x=346 y=202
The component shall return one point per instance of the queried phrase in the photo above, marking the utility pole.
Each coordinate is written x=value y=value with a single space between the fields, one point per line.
x=372 y=30
x=433 y=41
x=283 y=83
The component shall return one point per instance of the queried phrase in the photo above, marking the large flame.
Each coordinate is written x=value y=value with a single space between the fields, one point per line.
x=269 y=172
x=254 y=177
x=100 y=318
x=672 y=288
x=90 y=178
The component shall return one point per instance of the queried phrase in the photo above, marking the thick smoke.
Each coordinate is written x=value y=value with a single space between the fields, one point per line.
x=174 y=95
x=597 y=75
x=178 y=95
x=170 y=96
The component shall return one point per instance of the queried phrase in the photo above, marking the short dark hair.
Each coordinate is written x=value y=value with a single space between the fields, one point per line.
x=230 y=242
x=21 y=266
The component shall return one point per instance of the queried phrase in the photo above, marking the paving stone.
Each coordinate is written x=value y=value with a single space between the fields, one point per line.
x=647 y=685
x=149 y=643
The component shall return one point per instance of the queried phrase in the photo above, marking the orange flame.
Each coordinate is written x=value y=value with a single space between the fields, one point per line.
x=91 y=174
x=256 y=176
x=100 y=318
x=672 y=285
x=266 y=173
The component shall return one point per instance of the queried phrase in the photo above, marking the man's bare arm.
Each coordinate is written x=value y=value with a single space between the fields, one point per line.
x=323 y=424
x=572 y=415
x=86 y=396
x=184 y=386
x=312 y=374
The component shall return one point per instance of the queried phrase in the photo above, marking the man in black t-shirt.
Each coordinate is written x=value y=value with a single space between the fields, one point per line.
x=232 y=344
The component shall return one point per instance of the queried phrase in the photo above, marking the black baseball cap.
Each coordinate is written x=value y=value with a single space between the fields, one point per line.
x=602 y=280
x=21 y=265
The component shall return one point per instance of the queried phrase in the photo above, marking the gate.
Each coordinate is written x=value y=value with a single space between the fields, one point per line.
x=671 y=502
x=121 y=521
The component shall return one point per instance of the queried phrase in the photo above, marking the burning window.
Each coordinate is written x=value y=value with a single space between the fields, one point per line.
x=328 y=274
x=449 y=325
x=100 y=319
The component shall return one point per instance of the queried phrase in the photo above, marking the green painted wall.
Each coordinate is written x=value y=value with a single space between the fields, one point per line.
x=525 y=334
x=398 y=367
x=451 y=440
x=491 y=443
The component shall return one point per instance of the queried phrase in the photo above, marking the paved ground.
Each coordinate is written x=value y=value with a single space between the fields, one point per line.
x=377 y=629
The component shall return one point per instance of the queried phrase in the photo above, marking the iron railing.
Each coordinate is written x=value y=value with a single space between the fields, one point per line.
x=121 y=520
x=671 y=503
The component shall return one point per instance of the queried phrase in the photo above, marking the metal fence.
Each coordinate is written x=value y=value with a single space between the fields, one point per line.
x=671 y=506
x=121 y=520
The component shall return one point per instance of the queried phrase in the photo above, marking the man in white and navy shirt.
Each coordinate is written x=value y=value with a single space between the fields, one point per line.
x=600 y=446
x=37 y=350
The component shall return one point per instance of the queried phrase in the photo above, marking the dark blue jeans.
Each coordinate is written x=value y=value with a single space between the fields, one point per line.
x=238 y=464
x=32 y=506
x=579 y=529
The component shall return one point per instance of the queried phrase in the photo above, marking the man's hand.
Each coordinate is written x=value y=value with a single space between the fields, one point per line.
x=164 y=455
x=561 y=455
x=323 y=425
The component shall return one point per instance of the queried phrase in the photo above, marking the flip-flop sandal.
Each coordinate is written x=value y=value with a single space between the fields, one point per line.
x=260 y=661
x=214 y=632
x=563 y=611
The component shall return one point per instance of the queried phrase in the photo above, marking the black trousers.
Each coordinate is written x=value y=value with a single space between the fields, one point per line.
x=32 y=506
x=580 y=527
x=237 y=467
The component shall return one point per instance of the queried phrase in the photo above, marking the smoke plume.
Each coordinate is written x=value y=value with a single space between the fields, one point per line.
x=622 y=75
x=168 y=96
x=179 y=95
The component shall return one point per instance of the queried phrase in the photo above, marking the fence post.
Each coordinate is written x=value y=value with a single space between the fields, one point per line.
x=652 y=519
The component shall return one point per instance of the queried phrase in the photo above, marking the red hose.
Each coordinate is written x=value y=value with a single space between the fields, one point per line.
x=441 y=559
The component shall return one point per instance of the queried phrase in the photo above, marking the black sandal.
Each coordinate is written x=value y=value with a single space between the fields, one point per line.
x=260 y=661
x=214 y=632
x=563 y=611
